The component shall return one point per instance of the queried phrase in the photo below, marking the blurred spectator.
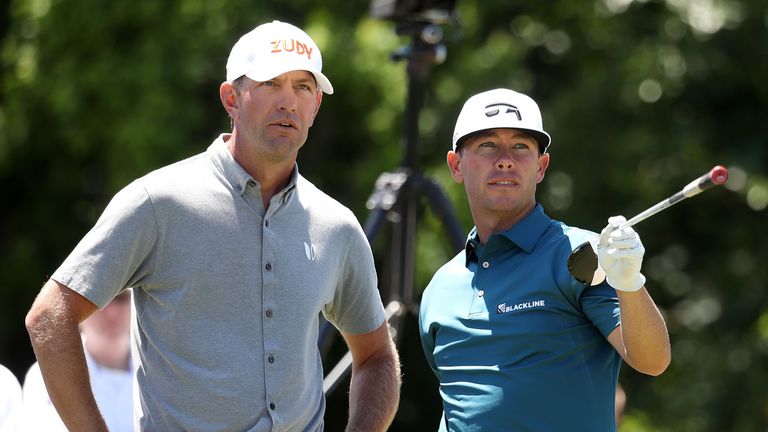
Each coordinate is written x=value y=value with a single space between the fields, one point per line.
x=10 y=400
x=621 y=402
x=106 y=339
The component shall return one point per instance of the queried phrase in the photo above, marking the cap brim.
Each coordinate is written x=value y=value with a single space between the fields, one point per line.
x=542 y=138
x=266 y=74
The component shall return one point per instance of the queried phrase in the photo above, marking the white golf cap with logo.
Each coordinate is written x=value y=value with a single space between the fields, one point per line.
x=500 y=108
x=273 y=49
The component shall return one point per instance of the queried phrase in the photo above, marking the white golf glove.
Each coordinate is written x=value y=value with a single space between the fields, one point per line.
x=620 y=254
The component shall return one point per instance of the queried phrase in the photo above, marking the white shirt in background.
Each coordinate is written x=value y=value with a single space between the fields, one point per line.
x=112 y=388
x=10 y=401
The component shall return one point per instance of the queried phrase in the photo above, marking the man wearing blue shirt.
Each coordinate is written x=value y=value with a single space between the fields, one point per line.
x=517 y=343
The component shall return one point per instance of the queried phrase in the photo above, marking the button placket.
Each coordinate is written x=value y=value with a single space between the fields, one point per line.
x=270 y=321
x=478 y=307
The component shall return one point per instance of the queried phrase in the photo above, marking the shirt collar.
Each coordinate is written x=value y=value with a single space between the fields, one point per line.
x=525 y=233
x=472 y=247
x=235 y=174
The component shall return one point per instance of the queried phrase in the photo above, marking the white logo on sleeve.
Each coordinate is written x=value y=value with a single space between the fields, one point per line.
x=309 y=249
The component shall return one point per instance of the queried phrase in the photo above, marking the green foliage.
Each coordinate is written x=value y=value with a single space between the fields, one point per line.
x=639 y=96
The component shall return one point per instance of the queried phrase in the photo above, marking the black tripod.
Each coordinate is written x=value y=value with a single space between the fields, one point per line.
x=397 y=198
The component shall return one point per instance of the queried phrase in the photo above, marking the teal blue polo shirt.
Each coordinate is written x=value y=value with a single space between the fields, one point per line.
x=517 y=343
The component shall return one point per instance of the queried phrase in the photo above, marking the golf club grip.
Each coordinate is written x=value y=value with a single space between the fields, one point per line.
x=716 y=176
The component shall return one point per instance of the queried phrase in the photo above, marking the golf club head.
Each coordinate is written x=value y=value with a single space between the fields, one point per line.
x=583 y=265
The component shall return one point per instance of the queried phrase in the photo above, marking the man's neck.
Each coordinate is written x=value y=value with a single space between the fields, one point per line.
x=272 y=176
x=491 y=222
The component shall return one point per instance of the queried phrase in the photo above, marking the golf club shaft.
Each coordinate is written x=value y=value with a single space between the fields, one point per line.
x=716 y=176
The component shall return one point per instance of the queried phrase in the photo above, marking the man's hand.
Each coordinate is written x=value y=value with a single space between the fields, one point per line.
x=620 y=254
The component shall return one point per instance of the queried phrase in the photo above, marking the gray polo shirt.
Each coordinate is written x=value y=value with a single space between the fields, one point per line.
x=227 y=296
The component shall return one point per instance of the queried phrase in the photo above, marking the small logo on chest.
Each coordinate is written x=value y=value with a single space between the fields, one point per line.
x=503 y=308
x=309 y=250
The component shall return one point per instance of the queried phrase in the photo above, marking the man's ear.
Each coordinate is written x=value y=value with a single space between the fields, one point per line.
x=454 y=163
x=317 y=108
x=228 y=96
x=543 y=164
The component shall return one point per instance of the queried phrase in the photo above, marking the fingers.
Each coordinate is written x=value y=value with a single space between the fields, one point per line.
x=632 y=252
x=615 y=221
x=620 y=254
x=625 y=238
x=619 y=238
x=613 y=224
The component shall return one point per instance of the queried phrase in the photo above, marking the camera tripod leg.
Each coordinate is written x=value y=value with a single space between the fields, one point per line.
x=439 y=203
x=344 y=366
x=402 y=212
x=397 y=200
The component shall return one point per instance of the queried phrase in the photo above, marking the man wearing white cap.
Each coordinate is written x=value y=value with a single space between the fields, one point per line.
x=517 y=343
x=231 y=255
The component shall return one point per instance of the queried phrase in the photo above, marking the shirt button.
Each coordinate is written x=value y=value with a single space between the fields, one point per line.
x=272 y=405
x=252 y=183
x=269 y=313
x=480 y=293
x=268 y=267
x=486 y=264
x=271 y=359
x=266 y=223
x=238 y=187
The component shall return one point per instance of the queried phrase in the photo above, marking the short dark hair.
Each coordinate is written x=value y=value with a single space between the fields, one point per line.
x=239 y=84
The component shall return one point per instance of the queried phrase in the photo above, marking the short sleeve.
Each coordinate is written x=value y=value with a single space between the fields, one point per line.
x=601 y=305
x=115 y=253
x=356 y=307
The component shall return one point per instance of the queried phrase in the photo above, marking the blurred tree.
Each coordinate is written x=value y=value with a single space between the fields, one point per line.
x=639 y=96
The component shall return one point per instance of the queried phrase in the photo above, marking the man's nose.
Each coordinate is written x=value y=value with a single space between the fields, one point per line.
x=504 y=162
x=287 y=101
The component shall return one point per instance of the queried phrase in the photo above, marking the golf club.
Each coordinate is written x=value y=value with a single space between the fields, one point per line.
x=582 y=263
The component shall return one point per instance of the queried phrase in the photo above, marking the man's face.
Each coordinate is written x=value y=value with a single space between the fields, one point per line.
x=274 y=116
x=500 y=169
x=111 y=323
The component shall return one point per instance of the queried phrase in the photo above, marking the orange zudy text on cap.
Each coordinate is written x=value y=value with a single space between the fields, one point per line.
x=295 y=46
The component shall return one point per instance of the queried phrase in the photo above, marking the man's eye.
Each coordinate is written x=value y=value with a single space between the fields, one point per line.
x=487 y=144
x=268 y=83
x=522 y=146
x=303 y=87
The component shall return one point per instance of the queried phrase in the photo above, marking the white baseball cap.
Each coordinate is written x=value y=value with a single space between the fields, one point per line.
x=500 y=108
x=273 y=49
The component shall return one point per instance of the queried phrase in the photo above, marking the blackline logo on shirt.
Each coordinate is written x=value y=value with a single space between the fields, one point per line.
x=503 y=308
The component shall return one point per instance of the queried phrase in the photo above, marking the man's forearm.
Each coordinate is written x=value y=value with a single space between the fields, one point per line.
x=644 y=333
x=374 y=393
x=58 y=347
